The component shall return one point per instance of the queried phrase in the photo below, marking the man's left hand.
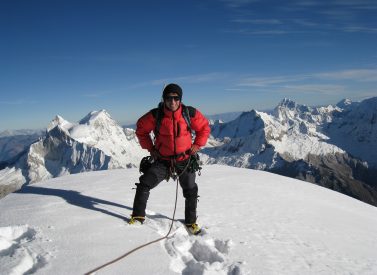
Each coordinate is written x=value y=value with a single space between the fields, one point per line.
x=194 y=149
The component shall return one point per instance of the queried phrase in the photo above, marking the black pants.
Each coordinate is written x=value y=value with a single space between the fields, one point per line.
x=153 y=177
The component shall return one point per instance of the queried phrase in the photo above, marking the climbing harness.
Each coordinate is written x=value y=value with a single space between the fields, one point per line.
x=192 y=164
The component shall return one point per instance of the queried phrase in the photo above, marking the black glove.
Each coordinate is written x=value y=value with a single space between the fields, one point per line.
x=154 y=153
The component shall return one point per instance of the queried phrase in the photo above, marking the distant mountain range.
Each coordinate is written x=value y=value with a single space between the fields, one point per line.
x=224 y=117
x=333 y=146
x=13 y=142
x=22 y=132
x=97 y=142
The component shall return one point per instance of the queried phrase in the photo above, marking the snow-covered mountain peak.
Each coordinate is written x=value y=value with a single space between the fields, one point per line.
x=97 y=142
x=355 y=130
x=288 y=110
x=290 y=105
x=59 y=121
x=344 y=103
x=291 y=132
x=248 y=117
x=287 y=103
x=292 y=114
x=362 y=114
x=97 y=117
x=244 y=125
x=97 y=125
x=100 y=130
x=329 y=145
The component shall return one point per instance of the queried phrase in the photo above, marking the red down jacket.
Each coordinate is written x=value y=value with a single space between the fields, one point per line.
x=174 y=137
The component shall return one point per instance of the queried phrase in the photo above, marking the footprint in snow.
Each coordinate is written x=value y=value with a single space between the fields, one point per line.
x=17 y=255
x=194 y=254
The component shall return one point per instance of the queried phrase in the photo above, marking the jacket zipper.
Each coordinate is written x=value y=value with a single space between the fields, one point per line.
x=174 y=135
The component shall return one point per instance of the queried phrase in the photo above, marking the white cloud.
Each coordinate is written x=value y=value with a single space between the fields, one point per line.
x=92 y=95
x=238 y=3
x=306 y=16
x=97 y=94
x=360 y=29
x=264 y=29
x=361 y=75
x=17 y=102
x=236 y=89
x=268 y=32
x=305 y=22
x=325 y=83
x=328 y=89
x=259 y=21
x=271 y=80
x=198 y=78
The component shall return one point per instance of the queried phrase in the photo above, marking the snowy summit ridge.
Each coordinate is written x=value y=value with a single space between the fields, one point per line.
x=285 y=227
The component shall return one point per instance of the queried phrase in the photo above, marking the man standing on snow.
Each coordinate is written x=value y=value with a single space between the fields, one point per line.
x=171 y=150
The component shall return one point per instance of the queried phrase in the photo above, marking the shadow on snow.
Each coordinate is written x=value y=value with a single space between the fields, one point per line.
x=77 y=199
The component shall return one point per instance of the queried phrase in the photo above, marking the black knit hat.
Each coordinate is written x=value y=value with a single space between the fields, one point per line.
x=171 y=89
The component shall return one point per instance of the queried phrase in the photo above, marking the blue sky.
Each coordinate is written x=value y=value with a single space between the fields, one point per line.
x=72 y=57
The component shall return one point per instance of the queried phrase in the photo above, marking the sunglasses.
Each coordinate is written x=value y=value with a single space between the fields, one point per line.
x=171 y=98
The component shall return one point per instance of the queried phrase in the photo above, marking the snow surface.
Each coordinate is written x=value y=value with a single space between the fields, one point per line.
x=254 y=223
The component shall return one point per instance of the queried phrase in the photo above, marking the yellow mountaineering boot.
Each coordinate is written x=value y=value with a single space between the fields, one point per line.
x=136 y=220
x=194 y=228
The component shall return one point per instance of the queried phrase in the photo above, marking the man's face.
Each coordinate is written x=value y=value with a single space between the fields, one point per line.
x=172 y=101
